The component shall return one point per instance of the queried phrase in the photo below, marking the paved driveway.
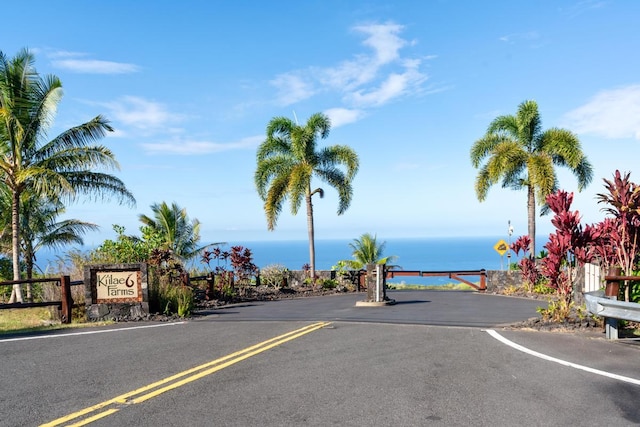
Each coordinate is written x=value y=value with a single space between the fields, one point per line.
x=444 y=308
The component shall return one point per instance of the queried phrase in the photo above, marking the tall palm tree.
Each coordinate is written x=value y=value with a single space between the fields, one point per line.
x=177 y=232
x=516 y=151
x=40 y=228
x=289 y=159
x=367 y=250
x=61 y=168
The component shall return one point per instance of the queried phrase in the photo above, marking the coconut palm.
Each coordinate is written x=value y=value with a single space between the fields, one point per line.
x=175 y=230
x=61 y=168
x=516 y=151
x=289 y=159
x=40 y=228
x=367 y=250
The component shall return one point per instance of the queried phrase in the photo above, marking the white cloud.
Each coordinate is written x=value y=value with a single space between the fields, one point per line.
x=293 y=88
x=611 y=113
x=94 y=66
x=367 y=79
x=394 y=86
x=189 y=148
x=75 y=62
x=584 y=6
x=515 y=37
x=343 y=116
x=384 y=40
x=141 y=113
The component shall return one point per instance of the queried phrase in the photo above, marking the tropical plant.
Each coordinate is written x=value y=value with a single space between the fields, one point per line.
x=570 y=246
x=516 y=151
x=274 y=275
x=125 y=249
x=367 y=250
x=177 y=233
x=61 y=168
x=528 y=269
x=40 y=228
x=242 y=267
x=289 y=159
x=622 y=229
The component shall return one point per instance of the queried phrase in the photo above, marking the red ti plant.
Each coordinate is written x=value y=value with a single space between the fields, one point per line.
x=623 y=229
x=568 y=247
x=527 y=264
x=242 y=264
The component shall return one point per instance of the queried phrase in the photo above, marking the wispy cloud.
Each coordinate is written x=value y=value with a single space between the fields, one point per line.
x=613 y=113
x=293 y=88
x=77 y=63
x=584 y=6
x=343 y=116
x=517 y=37
x=369 y=79
x=192 y=147
x=141 y=114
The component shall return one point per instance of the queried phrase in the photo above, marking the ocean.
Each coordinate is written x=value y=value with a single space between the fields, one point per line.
x=425 y=254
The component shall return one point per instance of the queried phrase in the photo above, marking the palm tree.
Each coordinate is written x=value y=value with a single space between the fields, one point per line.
x=367 y=250
x=40 y=228
x=517 y=152
x=61 y=168
x=288 y=160
x=176 y=231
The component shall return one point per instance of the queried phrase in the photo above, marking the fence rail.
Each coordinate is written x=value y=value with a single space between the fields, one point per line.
x=605 y=304
x=65 y=304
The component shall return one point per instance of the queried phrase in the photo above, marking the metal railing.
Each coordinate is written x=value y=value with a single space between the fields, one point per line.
x=605 y=304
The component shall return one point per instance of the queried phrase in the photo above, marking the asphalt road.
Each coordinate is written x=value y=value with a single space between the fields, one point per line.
x=364 y=366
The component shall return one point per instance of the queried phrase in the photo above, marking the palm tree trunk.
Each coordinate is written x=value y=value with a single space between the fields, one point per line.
x=16 y=292
x=29 y=270
x=531 y=212
x=312 y=248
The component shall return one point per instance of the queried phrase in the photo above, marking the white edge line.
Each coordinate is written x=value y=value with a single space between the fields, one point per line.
x=102 y=331
x=502 y=339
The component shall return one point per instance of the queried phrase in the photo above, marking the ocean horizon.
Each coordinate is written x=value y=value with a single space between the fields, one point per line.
x=424 y=254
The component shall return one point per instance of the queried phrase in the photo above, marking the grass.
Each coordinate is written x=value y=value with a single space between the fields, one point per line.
x=34 y=319
x=25 y=318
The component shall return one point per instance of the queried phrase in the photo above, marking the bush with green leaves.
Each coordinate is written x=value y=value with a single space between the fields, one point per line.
x=125 y=249
x=328 y=283
x=275 y=276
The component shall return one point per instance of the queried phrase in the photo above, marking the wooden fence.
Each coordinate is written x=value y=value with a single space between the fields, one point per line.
x=64 y=305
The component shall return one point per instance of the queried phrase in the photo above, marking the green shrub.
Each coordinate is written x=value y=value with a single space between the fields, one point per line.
x=328 y=283
x=557 y=311
x=543 y=289
x=274 y=276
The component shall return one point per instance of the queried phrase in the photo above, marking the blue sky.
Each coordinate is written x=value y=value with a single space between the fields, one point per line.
x=190 y=86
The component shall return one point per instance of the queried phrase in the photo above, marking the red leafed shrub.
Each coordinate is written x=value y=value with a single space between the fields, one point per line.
x=568 y=247
x=620 y=233
x=528 y=268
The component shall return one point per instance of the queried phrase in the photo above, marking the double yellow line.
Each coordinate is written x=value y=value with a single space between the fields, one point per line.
x=142 y=394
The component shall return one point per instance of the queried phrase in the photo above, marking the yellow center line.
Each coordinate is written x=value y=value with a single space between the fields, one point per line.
x=207 y=369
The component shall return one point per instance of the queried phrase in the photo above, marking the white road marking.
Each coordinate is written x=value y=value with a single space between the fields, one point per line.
x=502 y=339
x=102 y=331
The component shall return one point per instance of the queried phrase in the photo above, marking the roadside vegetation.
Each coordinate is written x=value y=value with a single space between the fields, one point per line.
x=40 y=177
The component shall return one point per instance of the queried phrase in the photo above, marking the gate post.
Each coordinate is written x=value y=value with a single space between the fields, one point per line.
x=376 y=283
x=67 y=301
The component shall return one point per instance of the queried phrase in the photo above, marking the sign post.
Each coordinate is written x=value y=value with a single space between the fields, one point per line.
x=501 y=247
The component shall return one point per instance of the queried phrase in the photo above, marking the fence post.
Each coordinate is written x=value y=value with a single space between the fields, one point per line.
x=67 y=301
x=483 y=280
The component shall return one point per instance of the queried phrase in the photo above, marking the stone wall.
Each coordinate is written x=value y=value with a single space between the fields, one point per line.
x=497 y=280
